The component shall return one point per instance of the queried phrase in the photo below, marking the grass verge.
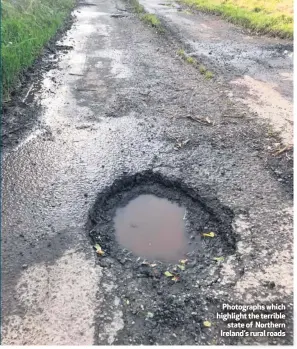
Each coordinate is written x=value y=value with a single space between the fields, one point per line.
x=265 y=16
x=151 y=19
x=27 y=25
x=191 y=60
x=148 y=18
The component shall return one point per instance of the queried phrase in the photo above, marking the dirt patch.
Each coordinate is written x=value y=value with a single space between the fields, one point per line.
x=277 y=109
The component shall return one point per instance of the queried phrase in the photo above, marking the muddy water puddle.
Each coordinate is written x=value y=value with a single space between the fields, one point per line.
x=153 y=228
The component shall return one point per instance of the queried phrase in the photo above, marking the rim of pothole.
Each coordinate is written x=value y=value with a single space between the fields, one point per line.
x=204 y=214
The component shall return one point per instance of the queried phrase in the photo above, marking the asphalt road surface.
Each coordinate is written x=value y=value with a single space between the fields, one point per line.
x=110 y=112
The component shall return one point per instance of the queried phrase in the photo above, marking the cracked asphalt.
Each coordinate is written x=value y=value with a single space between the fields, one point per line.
x=114 y=109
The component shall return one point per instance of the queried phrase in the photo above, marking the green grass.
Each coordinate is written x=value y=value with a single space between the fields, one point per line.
x=137 y=7
x=208 y=75
x=27 y=25
x=186 y=57
x=265 y=16
x=148 y=18
x=202 y=69
x=151 y=19
x=191 y=60
x=182 y=53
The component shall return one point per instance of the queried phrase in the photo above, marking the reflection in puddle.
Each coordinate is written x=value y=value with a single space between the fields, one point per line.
x=152 y=228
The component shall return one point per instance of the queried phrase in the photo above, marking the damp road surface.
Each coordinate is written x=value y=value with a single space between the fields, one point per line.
x=116 y=143
x=257 y=70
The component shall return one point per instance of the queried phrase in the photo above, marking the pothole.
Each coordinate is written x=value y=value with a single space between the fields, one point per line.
x=159 y=219
x=164 y=244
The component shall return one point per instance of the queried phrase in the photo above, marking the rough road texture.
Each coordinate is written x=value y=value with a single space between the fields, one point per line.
x=114 y=119
x=259 y=70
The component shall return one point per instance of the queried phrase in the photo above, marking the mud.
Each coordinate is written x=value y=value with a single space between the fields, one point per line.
x=117 y=118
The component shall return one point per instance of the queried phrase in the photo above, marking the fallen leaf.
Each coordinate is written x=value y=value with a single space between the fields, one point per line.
x=181 y=267
x=99 y=249
x=206 y=323
x=153 y=265
x=209 y=235
x=127 y=302
x=218 y=259
x=208 y=120
x=149 y=315
x=168 y=274
x=175 y=278
x=183 y=261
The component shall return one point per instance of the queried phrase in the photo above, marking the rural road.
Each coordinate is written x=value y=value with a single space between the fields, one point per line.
x=119 y=114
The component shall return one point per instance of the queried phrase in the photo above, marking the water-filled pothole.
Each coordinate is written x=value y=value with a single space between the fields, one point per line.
x=153 y=228
x=166 y=295
x=149 y=216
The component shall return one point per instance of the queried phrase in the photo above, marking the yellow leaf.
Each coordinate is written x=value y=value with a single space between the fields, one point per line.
x=206 y=323
x=167 y=273
x=181 y=267
x=175 y=278
x=183 y=261
x=218 y=259
x=209 y=235
x=99 y=250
